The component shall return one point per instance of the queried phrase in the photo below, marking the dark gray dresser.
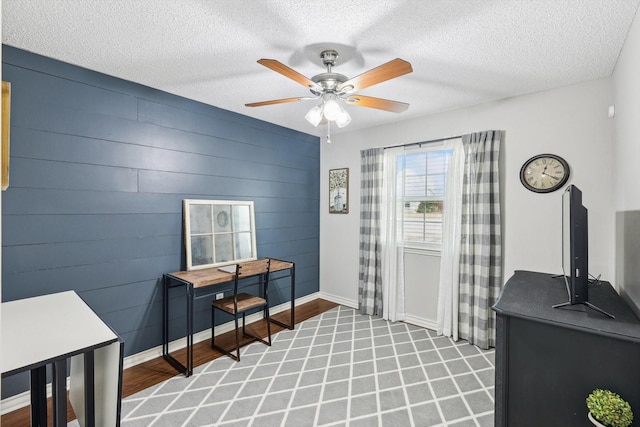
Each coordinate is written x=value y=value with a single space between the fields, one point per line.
x=549 y=359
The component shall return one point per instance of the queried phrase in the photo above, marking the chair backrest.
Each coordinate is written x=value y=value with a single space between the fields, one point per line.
x=252 y=268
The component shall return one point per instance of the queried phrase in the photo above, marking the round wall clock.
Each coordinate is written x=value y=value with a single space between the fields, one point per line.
x=544 y=173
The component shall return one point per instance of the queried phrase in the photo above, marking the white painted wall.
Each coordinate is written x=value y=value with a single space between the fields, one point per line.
x=570 y=121
x=626 y=85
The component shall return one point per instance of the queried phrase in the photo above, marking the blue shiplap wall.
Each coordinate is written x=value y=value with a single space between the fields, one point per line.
x=98 y=171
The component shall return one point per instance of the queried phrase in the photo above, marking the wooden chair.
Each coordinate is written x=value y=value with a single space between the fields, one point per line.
x=240 y=303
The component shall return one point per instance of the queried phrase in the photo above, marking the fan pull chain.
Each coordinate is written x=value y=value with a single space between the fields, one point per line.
x=328 y=132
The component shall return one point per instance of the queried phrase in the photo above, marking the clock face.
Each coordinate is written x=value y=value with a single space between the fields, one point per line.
x=544 y=173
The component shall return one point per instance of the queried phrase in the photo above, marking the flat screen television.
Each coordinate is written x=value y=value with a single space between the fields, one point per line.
x=575 y=249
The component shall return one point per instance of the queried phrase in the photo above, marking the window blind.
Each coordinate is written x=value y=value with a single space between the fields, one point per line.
x=422 y=182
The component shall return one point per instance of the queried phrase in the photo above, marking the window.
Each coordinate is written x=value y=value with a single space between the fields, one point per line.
x=421 y=183
x=218 y=232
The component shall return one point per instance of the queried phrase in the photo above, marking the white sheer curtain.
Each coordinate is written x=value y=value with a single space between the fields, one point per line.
x=451 y=236
x=391 y=231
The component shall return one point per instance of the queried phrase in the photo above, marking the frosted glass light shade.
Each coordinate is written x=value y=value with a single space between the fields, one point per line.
x=343 y=118
x=331 y=109
x=314 y=116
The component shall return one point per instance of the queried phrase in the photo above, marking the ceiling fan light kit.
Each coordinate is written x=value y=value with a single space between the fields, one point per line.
x=331 y=110
x=334 y=89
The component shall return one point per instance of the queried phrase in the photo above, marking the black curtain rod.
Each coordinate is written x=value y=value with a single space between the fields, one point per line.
x=424 y=142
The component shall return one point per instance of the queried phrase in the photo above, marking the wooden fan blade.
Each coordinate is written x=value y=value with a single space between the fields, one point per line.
x=279 y=67
x=384 y=72
x=379 y=103
x=277 y=101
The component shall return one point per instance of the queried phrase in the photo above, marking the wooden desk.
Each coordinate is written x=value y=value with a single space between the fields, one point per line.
x=49 y=329
x=195 y=279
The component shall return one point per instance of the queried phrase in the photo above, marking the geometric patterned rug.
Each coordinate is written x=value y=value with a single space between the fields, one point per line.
x=339 y=368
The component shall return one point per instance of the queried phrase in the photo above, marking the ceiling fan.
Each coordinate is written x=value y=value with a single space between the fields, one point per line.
x=332 y=87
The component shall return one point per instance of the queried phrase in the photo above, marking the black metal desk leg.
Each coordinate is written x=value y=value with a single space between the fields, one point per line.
x=39 y=397
x=165 y=315
x=293 y=296
x=89 y=390
x=188 y=369
x=190 y=297
x=292 y=319
x=59 y=386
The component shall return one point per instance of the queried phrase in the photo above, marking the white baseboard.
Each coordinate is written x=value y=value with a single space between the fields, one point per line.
x=418 y=321
x=21 y=400
x=338 y=300
x=423 y=323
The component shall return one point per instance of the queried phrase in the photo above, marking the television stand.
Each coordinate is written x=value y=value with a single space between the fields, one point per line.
x=570 y=302
x=588 y=304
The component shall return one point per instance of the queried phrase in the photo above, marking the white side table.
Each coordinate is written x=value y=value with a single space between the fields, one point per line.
x=50 y=329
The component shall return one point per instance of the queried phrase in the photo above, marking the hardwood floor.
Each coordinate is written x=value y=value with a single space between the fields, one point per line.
x=147 y=374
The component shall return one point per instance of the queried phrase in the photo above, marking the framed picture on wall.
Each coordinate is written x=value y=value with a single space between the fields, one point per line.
x=339 y=191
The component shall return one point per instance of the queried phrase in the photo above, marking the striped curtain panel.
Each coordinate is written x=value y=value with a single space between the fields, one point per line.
x=481 y=243
x=370 y=274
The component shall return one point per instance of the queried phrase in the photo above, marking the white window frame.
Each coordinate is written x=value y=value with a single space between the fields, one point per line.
x=422 y=248
x=188 y=203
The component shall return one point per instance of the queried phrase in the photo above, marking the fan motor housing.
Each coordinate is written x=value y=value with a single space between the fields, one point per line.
x=328 y=81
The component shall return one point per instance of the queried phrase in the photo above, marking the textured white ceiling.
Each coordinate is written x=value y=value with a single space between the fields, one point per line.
x=463 y=52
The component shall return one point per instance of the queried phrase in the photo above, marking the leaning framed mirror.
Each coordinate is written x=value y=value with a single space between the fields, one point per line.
x=218 y=232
